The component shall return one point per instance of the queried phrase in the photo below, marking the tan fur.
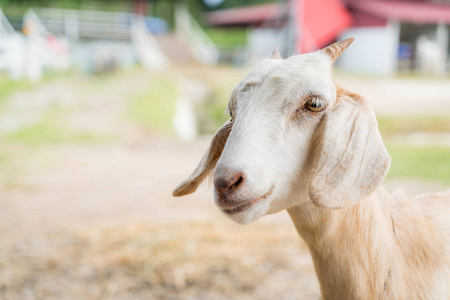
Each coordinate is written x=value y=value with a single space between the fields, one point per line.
x=347 y=139
x=340 y=92
x=380 y=248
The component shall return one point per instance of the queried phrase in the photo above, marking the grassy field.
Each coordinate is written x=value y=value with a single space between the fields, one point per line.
x=427 y=162
x=7 y=87
x=424 y=162
x=154 y=108
x=50 y=129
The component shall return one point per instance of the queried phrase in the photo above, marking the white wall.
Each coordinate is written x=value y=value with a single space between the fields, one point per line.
x=374 y=50
x=261 y=43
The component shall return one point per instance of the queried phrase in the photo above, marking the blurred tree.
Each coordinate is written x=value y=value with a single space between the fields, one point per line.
x=121 y=3
x=76 y=4
x=213 y=3
x=163 y=9
x=238 y=3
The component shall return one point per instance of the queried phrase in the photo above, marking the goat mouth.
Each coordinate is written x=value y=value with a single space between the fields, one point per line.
x=245 y=205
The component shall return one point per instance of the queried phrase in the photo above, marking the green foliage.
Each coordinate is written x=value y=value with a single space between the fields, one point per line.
x=228 y=37
x=154 y=109
x=424 y=162
x=239 y=3
x=164 y=10
x=75 y=4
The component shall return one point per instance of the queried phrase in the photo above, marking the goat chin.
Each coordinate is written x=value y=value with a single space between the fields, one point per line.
x=250 y=213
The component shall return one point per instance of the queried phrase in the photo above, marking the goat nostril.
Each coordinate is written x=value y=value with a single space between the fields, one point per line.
x=231 y=183
x=238 y=182
x=221 y=184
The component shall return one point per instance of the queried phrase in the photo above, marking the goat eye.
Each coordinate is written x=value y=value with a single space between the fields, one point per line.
x=314 y=105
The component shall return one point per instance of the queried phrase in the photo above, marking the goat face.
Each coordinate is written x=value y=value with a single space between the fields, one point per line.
x=290 y=141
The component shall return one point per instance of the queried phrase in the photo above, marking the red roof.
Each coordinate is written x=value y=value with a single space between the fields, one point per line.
x=319 y=22
x=409 y=11
x=255 y=14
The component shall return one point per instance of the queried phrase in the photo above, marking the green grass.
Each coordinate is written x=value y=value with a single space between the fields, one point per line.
x=424 y=162
x=5 y=158
x=211 y=112
x=7 y=87
x=405 y=124
x=45 y=132
x=13 y=162
x=228 y=38
x=50 y=129
x=155 y=108
x=21 y=147
x=411 y=161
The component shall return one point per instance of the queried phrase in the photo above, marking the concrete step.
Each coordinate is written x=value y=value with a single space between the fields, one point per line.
x=175 y=48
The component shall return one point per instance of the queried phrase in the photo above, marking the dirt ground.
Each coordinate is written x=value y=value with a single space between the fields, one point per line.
x=97 y=221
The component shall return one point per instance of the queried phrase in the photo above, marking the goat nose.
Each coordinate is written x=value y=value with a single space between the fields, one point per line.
x=229 y=182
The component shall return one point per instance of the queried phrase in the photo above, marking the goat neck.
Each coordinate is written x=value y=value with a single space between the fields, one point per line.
x=353 y=249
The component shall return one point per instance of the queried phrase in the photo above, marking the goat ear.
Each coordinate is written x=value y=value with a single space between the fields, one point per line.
x=351 y=159
x=336 y=49
x=207 y=163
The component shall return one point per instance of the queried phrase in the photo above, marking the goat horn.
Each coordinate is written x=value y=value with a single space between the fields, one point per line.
x=276 y=53
x=336 y=49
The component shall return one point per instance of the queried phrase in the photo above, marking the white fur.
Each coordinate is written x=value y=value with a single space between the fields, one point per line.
x=264 y=142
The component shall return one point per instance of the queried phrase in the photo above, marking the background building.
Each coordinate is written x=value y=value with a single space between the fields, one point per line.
x=391 y=36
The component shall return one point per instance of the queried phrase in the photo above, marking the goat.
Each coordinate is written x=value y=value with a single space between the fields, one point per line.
x=298 y=142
